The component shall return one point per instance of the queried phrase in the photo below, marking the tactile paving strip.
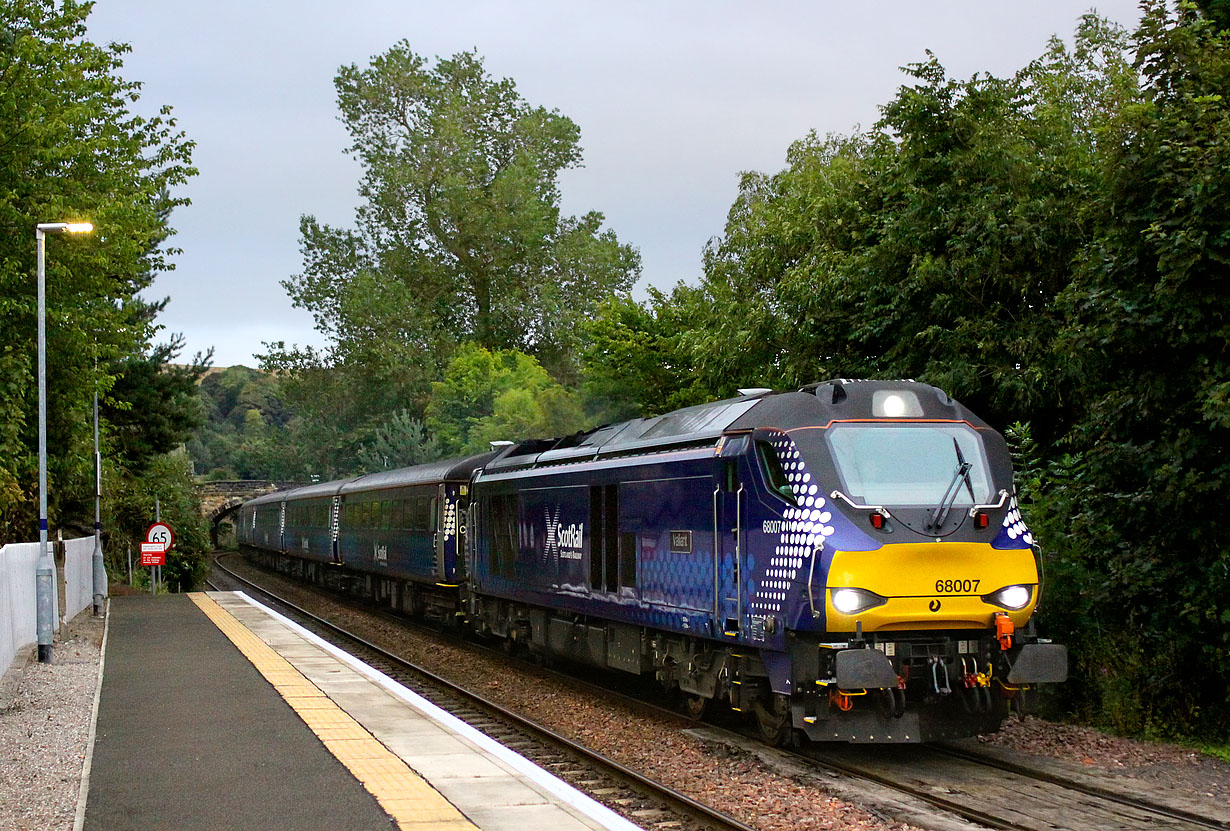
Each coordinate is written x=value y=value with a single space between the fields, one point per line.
x=405 y=795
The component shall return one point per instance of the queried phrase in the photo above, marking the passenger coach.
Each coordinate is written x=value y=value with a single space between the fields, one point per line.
x=394 y=536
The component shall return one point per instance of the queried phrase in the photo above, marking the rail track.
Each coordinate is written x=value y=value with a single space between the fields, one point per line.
x=639 y=798
x=955 y=781
x=999 y=794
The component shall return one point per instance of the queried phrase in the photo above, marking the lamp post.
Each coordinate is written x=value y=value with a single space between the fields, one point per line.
x=44 y=574
x=99 y=567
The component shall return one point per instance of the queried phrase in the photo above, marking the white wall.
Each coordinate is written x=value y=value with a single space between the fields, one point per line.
x=18 y=592
x=18 y=612
x=78 y=576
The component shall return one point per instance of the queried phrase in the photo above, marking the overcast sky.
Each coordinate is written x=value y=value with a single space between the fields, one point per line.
x=674 y=100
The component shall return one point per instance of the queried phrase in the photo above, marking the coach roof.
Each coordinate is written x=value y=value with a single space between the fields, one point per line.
x=432 y=473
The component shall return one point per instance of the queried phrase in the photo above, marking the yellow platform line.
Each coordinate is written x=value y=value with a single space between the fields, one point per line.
x=407 y=797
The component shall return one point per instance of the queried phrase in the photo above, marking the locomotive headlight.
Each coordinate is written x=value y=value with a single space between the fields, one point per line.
x=1011 y=597
x=895 y=404
x=851 y=601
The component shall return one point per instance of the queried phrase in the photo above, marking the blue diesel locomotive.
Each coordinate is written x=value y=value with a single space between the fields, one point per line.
x=846 y=561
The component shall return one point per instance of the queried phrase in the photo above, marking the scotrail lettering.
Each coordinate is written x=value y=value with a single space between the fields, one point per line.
x=563 y=541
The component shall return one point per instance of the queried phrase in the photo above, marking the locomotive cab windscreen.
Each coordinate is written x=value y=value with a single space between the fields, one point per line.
x=910 y=465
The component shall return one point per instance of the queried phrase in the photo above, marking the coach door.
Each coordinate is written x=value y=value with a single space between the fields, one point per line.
x=438 y=540
x=335 y=510
x=729 y=506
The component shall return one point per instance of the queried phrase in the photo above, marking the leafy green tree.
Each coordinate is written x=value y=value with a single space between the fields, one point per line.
x=246 y=435
x=130 y=506
x=502 y=395
x=402 y=441
x=1147 y=333
x=154 y=406
x=636 y=359
x=460 y=236
x=932 y=247
x=73 y=150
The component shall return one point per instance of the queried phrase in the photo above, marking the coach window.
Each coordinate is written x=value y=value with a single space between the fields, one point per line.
x=774 y=473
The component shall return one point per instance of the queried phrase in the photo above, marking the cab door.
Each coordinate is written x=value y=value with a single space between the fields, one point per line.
x=729 y=512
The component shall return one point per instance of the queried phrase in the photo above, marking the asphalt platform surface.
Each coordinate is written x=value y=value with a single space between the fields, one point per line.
x=191 y=736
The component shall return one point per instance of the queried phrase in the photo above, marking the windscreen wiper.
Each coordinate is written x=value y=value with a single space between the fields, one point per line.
x=954 y=487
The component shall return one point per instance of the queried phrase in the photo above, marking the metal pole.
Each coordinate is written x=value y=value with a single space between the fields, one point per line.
x=157 y=570
x=44 y=575
x=130 y=564
x=45 y=572
x=100 y=568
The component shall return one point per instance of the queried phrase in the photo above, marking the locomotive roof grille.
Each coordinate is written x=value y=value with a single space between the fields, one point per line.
x=692 y=426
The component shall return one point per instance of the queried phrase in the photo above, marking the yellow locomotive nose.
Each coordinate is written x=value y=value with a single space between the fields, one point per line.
x=947 y=585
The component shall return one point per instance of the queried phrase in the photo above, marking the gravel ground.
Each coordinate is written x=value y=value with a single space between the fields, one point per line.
x=1173 y=766
x=45 y=712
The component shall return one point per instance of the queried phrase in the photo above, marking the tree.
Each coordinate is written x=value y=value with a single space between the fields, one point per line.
x=1147 y=331
x=402 y=441
x=154 y=405
x=932 y=247
x=72 y=150
x=502 y=395
x=636 y=360
x=460 y=236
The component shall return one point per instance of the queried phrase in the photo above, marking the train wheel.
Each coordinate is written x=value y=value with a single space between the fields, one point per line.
x=774 y=720
x=694 y=707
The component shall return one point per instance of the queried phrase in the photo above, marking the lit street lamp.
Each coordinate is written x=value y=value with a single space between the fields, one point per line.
x=44 y=575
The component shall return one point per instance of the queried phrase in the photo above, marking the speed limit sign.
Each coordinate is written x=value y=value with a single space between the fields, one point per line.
x=160 y=534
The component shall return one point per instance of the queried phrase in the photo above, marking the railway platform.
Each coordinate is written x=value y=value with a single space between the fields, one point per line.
x=215 y=712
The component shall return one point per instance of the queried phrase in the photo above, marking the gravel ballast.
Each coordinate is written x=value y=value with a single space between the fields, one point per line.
x=45 y=717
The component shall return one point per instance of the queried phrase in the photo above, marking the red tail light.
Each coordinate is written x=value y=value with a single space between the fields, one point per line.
x=877 y=521
x=981 y=520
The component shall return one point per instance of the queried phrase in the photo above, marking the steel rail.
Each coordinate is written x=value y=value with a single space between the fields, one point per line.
x=982 y=815
x=677 y=802
x=1081 y=787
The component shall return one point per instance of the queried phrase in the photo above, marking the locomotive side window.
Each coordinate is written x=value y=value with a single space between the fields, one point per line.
x=774 y=473
x=627 y=560
x=505 y=510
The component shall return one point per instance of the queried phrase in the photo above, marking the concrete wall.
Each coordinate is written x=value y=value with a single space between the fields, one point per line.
x=18 y=593
x=78 y=577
